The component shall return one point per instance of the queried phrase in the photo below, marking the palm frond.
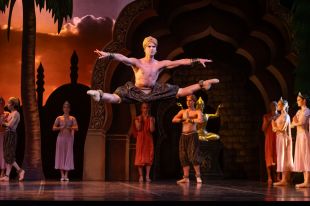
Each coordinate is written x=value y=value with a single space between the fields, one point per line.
x=61 y=9
x=3 y=5
x=10 y=17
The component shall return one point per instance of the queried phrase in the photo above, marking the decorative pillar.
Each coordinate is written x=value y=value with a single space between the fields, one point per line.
x=74 y=68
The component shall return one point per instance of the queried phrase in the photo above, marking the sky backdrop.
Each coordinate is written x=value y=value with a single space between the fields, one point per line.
x=90 y=28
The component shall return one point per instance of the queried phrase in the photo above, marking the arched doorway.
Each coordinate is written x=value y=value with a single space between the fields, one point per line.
x=250 y=44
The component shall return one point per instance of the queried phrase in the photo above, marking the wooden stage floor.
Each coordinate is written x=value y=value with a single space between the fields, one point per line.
x=219 y=190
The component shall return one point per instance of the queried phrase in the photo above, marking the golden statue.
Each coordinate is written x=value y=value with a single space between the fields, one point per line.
x=204 y=135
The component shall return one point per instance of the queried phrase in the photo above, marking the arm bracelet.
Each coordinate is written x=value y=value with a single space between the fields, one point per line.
x=200 y=83
x=111 y=56
x=194 y=61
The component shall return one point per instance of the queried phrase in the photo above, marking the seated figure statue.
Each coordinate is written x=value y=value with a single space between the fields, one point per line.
x=203 y=134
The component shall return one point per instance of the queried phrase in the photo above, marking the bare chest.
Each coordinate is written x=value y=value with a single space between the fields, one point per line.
x=190 y=114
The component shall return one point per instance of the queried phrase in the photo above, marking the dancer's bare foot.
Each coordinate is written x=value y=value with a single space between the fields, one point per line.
x=207 y=83
x=147 y=179
x=198 y=180
x=21 y=175
x=141 y=179
x=281 y=183
x=303 y=185
x=5 y=178
x=95 y=94
x=184 y=180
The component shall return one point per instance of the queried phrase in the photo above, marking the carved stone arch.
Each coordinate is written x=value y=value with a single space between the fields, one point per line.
x=281 y=27
x=210 y=31
x=281 y=80
x=187 y=8
x=261 y=89
x=267 y=40
x=233 y=10
x=125 y=30
x=247 y=55
x=292 y=58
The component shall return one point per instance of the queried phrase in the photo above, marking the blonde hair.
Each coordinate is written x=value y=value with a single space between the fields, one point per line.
x=14 y=101
x=148 y=40
x=193 y=97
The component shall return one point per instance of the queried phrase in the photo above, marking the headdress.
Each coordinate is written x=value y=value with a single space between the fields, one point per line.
x=303 y=96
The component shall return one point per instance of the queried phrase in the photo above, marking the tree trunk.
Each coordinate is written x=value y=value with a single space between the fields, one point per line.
x=32 y=161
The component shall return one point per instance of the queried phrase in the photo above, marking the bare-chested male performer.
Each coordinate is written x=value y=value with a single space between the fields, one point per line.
x=147 y=70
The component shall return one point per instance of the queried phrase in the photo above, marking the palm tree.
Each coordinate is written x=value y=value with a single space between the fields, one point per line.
x=61 y=9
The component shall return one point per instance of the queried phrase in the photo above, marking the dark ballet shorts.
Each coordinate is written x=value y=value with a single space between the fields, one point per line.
x=130 y=94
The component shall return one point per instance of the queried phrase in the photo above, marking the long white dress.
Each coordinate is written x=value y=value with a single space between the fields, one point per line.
x=64 y=158
x=284 y=144
x=302 y=145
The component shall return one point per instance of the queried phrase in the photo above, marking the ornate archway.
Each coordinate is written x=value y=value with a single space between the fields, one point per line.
x=250 y=44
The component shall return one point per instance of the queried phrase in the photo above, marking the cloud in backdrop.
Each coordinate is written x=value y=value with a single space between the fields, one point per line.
x=82 y=34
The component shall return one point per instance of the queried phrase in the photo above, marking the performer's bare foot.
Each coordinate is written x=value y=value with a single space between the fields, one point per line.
x=141 y=179
x=148 y=179
x=5 y=178
x=303 y=185
x=198 y=180
x=184 y=180
x=207 y=83
x=281 y=183
x=21 y=175
x=95 y=94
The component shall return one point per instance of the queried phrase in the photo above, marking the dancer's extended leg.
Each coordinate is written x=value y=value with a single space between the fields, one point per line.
x=98 y=95
x=183 y=92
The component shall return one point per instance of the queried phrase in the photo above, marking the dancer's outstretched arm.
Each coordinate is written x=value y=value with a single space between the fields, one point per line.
x=172 y=64
x=117 y=57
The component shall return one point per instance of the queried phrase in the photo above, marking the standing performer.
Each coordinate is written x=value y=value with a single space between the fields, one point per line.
x=66 y=125
x=146 y=71
x=3 y=116
x=302 y=145
x=10 y=140
x=270 y=140
x=189 y=152
x=284 y=143
x=143 y=128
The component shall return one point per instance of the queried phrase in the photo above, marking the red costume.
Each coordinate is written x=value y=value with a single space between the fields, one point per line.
x=144 y=144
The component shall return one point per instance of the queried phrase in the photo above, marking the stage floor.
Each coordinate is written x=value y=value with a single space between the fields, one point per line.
x=220 y=190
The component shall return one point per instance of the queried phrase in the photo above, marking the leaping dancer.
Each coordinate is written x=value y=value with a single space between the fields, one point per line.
x=146 y=71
